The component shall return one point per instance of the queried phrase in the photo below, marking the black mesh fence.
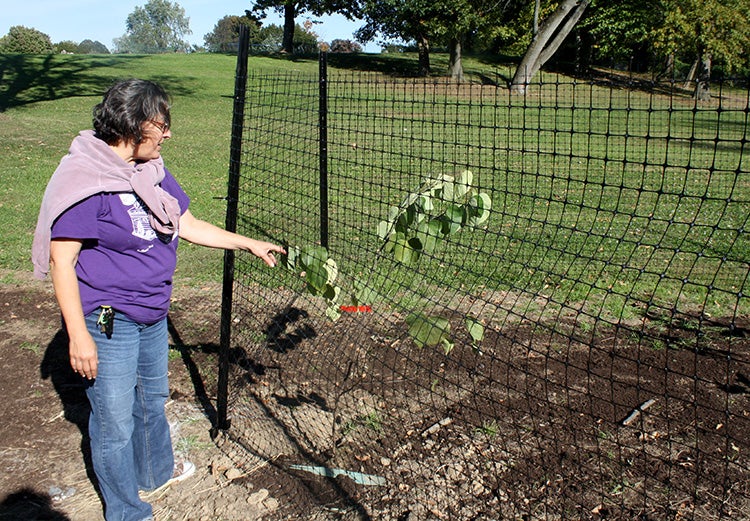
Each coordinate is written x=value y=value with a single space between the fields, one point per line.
x=508 y=307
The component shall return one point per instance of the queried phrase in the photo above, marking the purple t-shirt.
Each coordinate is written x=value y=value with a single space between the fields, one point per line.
x=122 y=263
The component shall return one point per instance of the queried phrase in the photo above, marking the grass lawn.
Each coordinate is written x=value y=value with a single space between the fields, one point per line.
x=620 y=199
x=586 y=181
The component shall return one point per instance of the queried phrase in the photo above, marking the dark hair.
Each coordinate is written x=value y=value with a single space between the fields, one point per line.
x=126 y=106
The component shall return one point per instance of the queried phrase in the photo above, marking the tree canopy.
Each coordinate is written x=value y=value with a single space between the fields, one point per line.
x=157 y=27
x=92 y=47
x=24 y=40
x=226 y=32
x=268 y=39
x=706 y=31
x=293 y=8
x=409 y=20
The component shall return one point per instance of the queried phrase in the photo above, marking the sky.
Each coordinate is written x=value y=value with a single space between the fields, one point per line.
x=103 y=21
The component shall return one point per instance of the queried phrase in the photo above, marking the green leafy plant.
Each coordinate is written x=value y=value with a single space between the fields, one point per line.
x=430 y=331
x=489 y=428
x=370 y=420
x=439 y=208
x=31 y=346
x=320 y=272
x=476 y=331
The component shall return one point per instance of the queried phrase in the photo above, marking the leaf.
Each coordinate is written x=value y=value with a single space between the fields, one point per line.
x=316 y=276
x=332 y=269
x=425 y=203
x=447 y=345
x=313 y=254
x=385 y=229
x=475 y=329
x=394 y=240
x=291 y=257
x=406 y=218
x=463 y=184
x=455 y=216
x=333 y=313
x=448 y=190
x=390 y=243
x=405 y=253
x=428 y=234
x=409 y=200
x=364 y=294
x=428 y=330
x=479 y=205
x=433 y=185
x=331 y=293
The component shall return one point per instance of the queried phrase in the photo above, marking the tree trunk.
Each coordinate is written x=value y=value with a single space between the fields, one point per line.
x=703 y=85
x=455 y=66
x=423 y=46
x=552 y=32
x=669 y=66
x=693 y=73
x=287 y=44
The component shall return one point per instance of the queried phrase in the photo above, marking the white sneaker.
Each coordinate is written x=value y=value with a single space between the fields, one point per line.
x=182 y=471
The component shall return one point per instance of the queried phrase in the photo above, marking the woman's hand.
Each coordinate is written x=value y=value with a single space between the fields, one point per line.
x=265 y=251
x=83 y=357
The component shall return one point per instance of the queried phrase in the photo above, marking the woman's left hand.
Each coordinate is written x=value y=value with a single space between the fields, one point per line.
x=265 y=251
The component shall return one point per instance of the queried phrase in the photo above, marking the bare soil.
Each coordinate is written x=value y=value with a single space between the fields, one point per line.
x=536 y=430
x=44 y=456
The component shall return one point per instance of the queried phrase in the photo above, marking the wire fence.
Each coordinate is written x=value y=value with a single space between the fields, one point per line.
x=495 y=306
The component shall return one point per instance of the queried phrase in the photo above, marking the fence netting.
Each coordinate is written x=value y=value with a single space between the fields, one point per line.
x=527 y=307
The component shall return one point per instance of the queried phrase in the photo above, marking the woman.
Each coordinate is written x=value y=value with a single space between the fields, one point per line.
x=107 y=233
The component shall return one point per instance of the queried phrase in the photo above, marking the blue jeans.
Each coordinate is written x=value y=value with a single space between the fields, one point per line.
x=131 y=448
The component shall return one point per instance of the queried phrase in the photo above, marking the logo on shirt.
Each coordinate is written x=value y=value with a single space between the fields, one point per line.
x=138 y=218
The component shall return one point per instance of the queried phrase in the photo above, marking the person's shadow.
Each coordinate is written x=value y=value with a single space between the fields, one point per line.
x=70 y=388
x=29 y=505
x=26 y=503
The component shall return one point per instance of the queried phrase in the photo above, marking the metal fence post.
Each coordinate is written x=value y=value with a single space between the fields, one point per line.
x=235 y=157
x=323 y=142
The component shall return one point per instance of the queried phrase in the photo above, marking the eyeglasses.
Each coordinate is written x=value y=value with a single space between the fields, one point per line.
x=162 y=126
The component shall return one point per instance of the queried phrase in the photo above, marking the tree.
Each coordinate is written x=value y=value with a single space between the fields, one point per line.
x=345 y=47
x=547 y=36
x=66 y=47
x=157 y=27
x=707 y=31
x=621 y=29
x=92 y=47
x=292 y=8
x=431 y=22
x=458 y=19
x=24 y=40
x=270 y=38
x=409 y=20
x=226 y=33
